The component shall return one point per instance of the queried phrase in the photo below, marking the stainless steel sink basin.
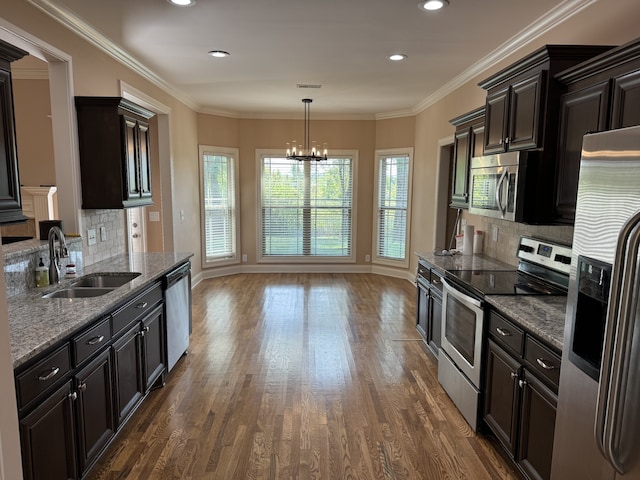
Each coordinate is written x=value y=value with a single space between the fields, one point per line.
x=78 y=292
x=105 y=280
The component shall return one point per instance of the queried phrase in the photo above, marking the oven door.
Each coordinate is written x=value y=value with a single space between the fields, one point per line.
x=462 y=326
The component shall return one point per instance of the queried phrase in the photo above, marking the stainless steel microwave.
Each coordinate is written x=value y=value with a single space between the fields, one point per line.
x=496 y=184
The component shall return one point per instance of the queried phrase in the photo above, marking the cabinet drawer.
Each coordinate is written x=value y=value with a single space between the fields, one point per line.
x=91 y=341
x=136 y=308
x=543 y=360
x=506 y=333
x=436 y=282
x=44 y=374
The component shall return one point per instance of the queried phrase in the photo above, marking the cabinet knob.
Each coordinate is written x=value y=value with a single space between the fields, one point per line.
x=82 y=387
x=514 y=375
x=73 y=396
x=135 y=235
x=507 y=140
x=522 y=383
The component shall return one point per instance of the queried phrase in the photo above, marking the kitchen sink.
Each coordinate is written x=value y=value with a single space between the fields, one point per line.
x=79 y=292
x=105 y=280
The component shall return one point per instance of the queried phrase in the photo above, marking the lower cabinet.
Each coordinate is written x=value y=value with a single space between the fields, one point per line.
x=429 y=307
x=521 y=396
x=68 y=416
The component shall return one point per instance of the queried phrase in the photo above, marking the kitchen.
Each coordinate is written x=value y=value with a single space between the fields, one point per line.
x=424 y=130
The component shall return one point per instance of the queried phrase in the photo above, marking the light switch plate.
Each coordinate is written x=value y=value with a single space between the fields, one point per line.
x=103 y=234
x=91 y=236
x=154 y=216
x=494 y=233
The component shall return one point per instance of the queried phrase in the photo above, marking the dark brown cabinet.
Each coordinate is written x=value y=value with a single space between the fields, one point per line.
x=429 y=307
x=600 y=94
x=48 y=438
x=520 y=396
x=514 y=115
x=94 y=409
x=468 y=142
x=115 y=166
x=73 y=398
x=10 y=200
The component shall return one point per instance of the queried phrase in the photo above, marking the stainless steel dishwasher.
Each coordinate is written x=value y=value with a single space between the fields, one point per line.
x=178 y=309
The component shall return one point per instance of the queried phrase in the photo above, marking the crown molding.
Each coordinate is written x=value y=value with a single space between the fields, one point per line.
x=550 y=20
x=80 y=28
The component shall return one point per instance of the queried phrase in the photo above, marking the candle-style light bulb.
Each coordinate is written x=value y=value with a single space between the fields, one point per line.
x=288 y=149
x=293 y=147
x=313 y=149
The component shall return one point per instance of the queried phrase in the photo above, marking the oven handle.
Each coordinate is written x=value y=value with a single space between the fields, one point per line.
x=451 y=290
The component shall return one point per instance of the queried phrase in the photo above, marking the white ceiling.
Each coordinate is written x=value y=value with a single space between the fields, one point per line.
x=341 y=44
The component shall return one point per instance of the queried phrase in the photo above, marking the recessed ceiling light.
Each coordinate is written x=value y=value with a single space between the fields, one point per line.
x=182 y=3
x=433 y=4
x=396 y=57
x=219 y=53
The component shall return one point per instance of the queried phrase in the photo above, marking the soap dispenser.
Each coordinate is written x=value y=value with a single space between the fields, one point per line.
x=42 y=275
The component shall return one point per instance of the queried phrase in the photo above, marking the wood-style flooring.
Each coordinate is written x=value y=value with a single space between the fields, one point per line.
x=302 y=376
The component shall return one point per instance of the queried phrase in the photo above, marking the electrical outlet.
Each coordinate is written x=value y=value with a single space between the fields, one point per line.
x=494 y=233
x=91 y=236
x=244 y=257
x=103 y=234
x=367 y=258
x=154 y=216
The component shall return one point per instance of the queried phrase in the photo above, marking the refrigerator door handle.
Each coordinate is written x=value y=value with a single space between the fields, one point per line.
x=618 y=341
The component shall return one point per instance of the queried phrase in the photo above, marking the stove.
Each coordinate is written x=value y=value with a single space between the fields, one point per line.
x=543 y=269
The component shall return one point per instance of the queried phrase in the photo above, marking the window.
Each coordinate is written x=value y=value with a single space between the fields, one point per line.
x=306 y=208
x=219 y=193
x=393 y=173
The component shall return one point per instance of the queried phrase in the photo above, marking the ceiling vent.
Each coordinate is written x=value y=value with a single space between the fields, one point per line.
x=307 y=85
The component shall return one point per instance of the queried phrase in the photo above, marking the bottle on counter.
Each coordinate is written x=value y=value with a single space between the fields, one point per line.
x=42 y=275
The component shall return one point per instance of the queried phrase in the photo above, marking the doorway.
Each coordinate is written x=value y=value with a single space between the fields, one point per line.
x=445 y=215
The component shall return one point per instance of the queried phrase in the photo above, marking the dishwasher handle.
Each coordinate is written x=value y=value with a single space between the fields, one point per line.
x=178 y=274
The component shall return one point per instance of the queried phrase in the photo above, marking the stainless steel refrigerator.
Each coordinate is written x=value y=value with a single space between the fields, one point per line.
x=597 y=435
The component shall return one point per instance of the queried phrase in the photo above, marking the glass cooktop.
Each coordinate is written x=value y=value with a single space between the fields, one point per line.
x=501 y=282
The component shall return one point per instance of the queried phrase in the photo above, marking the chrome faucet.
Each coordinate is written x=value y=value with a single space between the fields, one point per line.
x=56 y=253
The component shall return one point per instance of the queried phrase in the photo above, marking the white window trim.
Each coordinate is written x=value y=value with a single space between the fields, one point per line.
x=260 y=154
x=378 y=156
x=231 y=152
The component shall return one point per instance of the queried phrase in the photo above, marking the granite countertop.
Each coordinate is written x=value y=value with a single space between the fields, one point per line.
x=36 y=323
x=463 y=262
x=541 y=315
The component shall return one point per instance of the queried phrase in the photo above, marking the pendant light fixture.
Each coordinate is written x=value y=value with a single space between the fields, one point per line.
x=306 y=152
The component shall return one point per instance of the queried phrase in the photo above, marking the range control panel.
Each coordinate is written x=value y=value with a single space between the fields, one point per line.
x=548 y=254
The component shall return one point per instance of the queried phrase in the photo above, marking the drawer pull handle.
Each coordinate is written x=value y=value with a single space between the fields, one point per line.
x=52 y=373
x=436 y=282
x=545 y=365
x=503 y=332
x=96 y=340
x=142 y=305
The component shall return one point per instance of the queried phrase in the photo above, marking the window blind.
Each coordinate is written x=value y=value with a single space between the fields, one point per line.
x=306 y=207
x=393 y=198
x=219 y=206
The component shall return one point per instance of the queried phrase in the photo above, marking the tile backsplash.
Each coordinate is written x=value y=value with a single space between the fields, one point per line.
x=115 y=244
x=509 y=234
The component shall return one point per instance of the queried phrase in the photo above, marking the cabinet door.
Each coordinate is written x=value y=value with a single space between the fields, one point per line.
x=477 y=139
x=626 y=98
x=434 y=334
x=131 y=179
x=96 y=423
x=496 y=116
x=10 y=205
x=537 y=424
x=422 y=312
x=129 y=385
x=144 y=161
x=153 y=341
x=460 y=172
x=48 y=438
x=526 y=113
x=502 y=396
x=580 y=112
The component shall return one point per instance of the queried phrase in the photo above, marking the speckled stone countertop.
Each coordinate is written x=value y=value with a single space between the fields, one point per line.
x=463 y=262
x=36 y=323
x=542 y=316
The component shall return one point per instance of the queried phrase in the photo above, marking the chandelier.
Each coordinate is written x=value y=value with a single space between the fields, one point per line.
x=304 y=153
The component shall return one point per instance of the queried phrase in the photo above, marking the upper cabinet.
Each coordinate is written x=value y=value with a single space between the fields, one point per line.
x=469 y=140
x=10 y=202
x=600 y=94
x=114 y=152
x=521 y=106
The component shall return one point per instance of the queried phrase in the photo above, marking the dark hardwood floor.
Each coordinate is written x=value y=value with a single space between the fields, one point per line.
x=302 y=376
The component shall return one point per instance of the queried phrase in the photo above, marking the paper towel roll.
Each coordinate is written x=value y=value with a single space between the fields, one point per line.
x=467 y=244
